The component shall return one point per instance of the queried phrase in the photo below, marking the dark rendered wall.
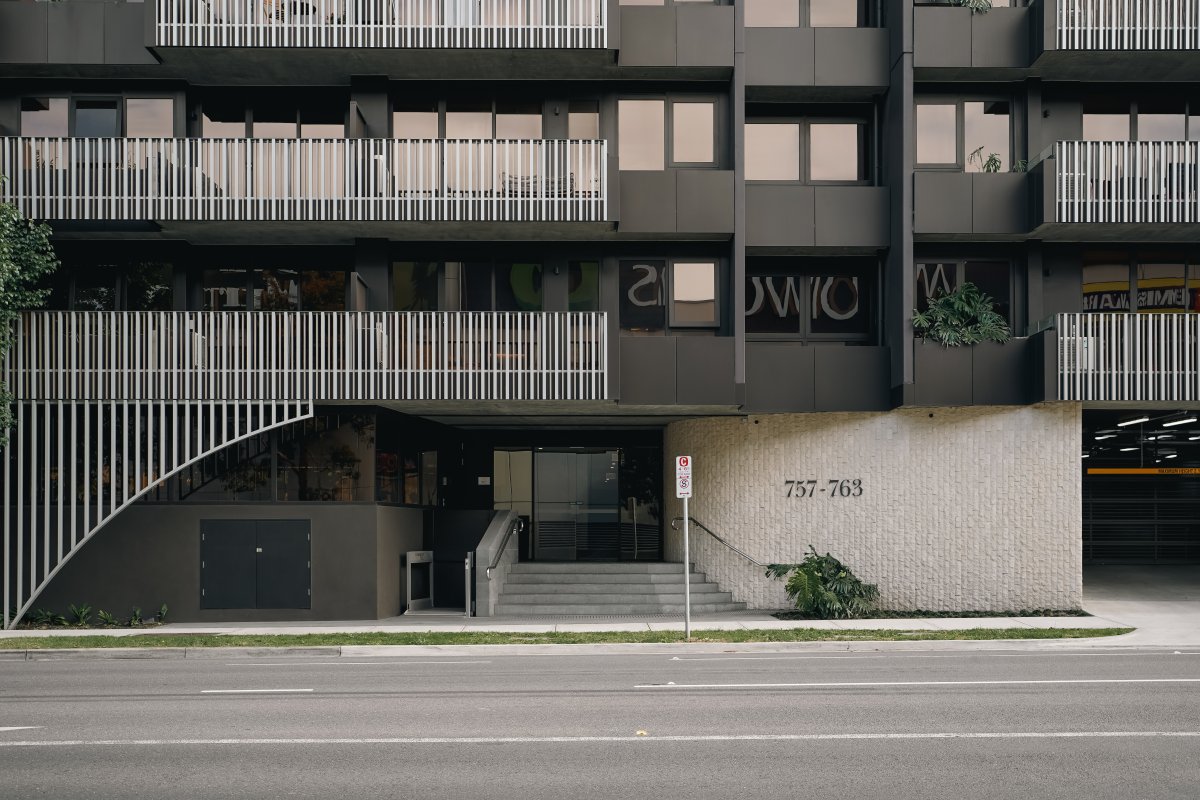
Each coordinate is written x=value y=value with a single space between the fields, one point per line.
x=150 y=554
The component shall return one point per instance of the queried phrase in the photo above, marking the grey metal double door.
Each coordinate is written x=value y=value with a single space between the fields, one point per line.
x=576 y=505
x=255 y=563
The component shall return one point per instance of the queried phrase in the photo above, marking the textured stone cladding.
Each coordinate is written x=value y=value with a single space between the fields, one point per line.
x=962 y=509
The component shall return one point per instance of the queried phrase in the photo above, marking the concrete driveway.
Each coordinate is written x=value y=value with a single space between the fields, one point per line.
x=1163 y=603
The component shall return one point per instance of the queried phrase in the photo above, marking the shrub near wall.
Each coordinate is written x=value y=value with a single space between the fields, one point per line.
x=961 y=509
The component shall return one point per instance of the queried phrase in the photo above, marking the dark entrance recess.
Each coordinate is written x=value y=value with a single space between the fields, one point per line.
x=255 y=563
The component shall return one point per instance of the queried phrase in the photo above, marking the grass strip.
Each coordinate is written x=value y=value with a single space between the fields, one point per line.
x=591 y=637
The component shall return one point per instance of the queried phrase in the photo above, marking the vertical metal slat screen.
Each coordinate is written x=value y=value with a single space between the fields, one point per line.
x=1144 y=358
x=1128 y=25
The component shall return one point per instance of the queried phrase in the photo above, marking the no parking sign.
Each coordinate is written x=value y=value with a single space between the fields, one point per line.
x=683 y=476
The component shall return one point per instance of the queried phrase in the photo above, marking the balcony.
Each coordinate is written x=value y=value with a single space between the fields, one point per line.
x=1116 y=40
x=306 y=180
x=1133 y=188
x=1125 y=358
x=399 y=24
x=349 y=357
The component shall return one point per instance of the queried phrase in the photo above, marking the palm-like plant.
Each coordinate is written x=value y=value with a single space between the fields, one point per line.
x=825 y=588
x=963 y=316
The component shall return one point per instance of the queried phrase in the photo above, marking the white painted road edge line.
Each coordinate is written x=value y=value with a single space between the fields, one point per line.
x=905 y=683
x=20 y=728
x=339 y=663
x=818 y=657
x=251 y=691
x=757 y=737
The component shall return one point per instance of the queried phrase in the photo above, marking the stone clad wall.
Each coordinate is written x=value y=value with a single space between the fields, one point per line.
x=962 y=509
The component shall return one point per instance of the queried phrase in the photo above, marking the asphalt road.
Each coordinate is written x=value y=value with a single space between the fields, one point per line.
x=944 y=724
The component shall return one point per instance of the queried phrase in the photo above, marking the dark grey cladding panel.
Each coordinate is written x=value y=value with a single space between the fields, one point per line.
x=779 y=215
x=851 y=378
x=851 y=216
x=76 y=33
x=941 y=375
x=125 y=34
x=648 y=202
x=648 y=370
x=705 y=371
x=999 y=203
x=779 y=377
x=1001 y=374
x=704 y=201
x=941 y=202
x=23 y=32
x=648 y=36
x=851 y=57
x=954 y=37
x=780 y=57
x=705 y=35
x=941 y=37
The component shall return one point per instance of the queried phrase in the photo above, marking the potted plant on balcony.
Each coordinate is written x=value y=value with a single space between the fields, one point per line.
x=961 y=358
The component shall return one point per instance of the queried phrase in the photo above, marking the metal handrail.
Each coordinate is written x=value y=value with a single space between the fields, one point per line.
x=675 y=526
x=517 y=525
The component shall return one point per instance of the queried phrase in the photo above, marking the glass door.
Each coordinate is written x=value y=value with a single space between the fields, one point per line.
x=576 y=505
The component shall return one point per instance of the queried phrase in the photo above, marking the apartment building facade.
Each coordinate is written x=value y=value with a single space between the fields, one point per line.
x=352 y=285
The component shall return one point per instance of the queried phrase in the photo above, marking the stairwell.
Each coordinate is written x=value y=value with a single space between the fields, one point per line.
x=606 y=588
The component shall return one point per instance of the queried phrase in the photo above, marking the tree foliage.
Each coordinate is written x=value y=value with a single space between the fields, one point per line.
x=963 y=316
x=26 y=257
x=825 y=588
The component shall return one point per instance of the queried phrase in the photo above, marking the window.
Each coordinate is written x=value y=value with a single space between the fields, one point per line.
x=415 y=286
x=837 y=151
x=641 y=131
x=692 y=132
x=469 y=119
x=224 y=289
x=150 y=116
x=694 y=294
x=942 y=277
x=643 y=303
x=772 y=151
x=826 y=300
x=1105 y=282
x=1161 y=283
x=974 y=135
x=818 y=13
x=833 y=13
x=518 y=121
x=1146 y=282
x=44 y=116
x=583 y=119
x=274 y=289
x=96 y=288
x=97 y=118
x=484 y=286
x=1106 y=120
x=323 y=290
x=322 y=124
x=772 y=13
x=583 y=286
x=222 y=121
x=148 y=286
x=415 y=121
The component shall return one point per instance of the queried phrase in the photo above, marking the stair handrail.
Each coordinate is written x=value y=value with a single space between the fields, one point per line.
x=518 y=524
x=675 y=526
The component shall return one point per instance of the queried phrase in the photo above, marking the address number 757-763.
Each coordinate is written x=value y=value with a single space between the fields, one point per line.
x=833 y=487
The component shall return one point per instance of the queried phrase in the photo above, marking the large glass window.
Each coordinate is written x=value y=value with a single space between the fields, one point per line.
x=994 y=278
x=276 y=290
x=694 y=294
x=1161 y=120
x=1106 y=119
x=583 y=286
x=224 y=289
x=837 y=151
x=693 y=132
x=44 y=116
x=96 y=288
x=223 y=121
x=317 y=123
x=518 y=287
x=323 y=290
x=330 y=458
x=643 y=295
x=937 y=133
x=415 y=120
x=824 y=300
x=1106 y=282
x=148 y=286
x=415 y=286
x=833 y=13
x=469 y=119
x=1161 y=283
x=642 y=134
x=518 y=121
x=97 y=118
x=150 y=116
x=773 y=151
x=583 y=119
x=987 y=136
x=773 y=13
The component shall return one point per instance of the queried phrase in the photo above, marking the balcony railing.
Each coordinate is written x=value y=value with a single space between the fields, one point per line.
x=1128 y=25
x=1147 y=358
x=308 y=356
x=1127 y=181
x=509 y=180
x=383 y=23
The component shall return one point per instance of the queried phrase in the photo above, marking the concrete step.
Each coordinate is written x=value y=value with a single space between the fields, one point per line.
x=616 y=579
x=602 y=601
x=614 y=589
x=596 y=567
x=566 y=609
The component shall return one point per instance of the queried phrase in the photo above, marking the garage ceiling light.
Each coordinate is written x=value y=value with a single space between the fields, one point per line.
x=1180 y=421
x=1104 y=436
x=1127 y=449
x=1133 y=421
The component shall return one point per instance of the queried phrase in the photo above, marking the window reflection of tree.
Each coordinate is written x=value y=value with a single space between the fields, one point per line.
x=319 y=467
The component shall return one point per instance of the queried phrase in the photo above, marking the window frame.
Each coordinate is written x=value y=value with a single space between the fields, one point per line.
x=805 y=152
x=722 y=274
x=960 y=131
x=804 y=17
x=717 y=142
x=806 y=269
x=672 y=265
x=1015 y=291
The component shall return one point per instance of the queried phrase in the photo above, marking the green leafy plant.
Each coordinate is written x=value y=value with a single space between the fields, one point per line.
x=825 y=588
x=976 y=6
x=990 y=164
x=1021 y=165
x=81 y=614
x=963 y=316
x=106 y=619
x=43 y=617
x=162 y=613
x=135 y=617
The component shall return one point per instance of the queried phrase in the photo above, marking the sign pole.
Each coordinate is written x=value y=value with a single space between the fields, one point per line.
x=687 y=577
x=683 y=490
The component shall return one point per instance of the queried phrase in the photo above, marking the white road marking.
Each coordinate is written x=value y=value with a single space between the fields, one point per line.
x=350 y=663
x=757 y=737
x=20 y=728
x=885 y=654
x=857 y=684
x=251 y=691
